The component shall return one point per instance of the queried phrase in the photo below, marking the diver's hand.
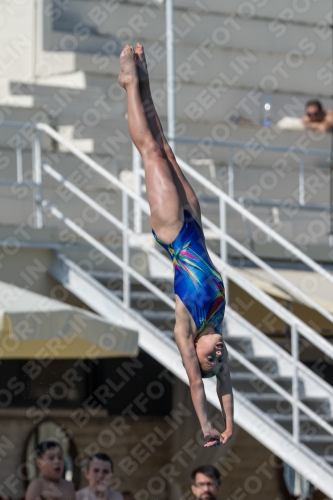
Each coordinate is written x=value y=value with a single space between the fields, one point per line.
x=226 y=435
x=212 y=437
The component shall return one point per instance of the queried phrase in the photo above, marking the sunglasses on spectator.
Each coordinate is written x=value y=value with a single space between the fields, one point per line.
x=208 y=484
x=316 y=113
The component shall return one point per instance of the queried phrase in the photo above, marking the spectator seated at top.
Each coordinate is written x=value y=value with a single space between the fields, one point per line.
x=317 y=118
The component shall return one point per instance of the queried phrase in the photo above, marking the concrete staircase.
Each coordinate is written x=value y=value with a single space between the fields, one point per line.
x=258 y=351
x=62 y=69
x=59 y=66
x=259 y=409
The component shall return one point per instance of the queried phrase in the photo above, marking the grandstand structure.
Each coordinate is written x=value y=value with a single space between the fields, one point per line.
x=74 y=213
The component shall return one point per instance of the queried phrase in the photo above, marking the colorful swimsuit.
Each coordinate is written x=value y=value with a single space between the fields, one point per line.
x=197 y=283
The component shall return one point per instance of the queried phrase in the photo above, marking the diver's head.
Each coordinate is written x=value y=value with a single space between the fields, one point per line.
x=209 y=346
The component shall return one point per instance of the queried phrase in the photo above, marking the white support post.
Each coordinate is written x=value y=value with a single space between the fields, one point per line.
x=295 y=388
x=170 y=74
x=37 y=179
x=295 y=395
x=230 y=173
x=223 y=241
x=137 y=163
x=126 y=277
x=301 y=190
x=19 y=167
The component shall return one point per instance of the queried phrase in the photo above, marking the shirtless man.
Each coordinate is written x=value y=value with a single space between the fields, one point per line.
x=317 y=118
x=176 y=223
x=99 y=474
x=50 y=485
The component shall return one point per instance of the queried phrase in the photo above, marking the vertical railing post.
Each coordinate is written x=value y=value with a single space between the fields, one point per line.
x=223 y=241
x=230 y=172
x=136 y=158
x=19 y=166
x=295 y=388
x=126 y=277
x=170 y=74
x=37 y=179
x=301 y=191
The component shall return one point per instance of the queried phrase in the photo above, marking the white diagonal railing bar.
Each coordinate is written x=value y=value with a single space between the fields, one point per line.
x=261 y=225
x=176 y=367
x=279 y=352
x=283 y=313
x=251 y=256
x=198 y=177
x=296 y=324
x=264 y=298
x=107 y=215
x=309 y=333
x=260 y=374
x=78 y=230
x=121 y=226
x=266 y=267
x=241 y=281
x=93 y=164
x=95 y=243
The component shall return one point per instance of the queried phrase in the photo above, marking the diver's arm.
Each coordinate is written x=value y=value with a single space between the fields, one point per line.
x=191 y=365
x=224 y=393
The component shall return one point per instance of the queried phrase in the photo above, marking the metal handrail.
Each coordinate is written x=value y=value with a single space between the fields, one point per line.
x=315 y=338
x=121 y=226
x=145 y=207
x=107 y=215
x=111 y=256
x=256 y=146
x=266 y=267
x=248 y=146
x=252 y=218
x=296 y=324
x=128 y=269
x=282 y=392
x=281 y=353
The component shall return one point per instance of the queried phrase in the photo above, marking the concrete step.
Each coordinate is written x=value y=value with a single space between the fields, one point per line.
x=189 y=28
x=21 y=117
x=51 y=63
x=67 y=165
x=295 y=230
x=157 y=317
x=233 y=101
x=267 y=364
x=16 y=205
x=277 y=404
x=241 y=344
x=247 y=385
x=66 y=103
x=311 y=13
x=224 y=131
x=225 y=68
x=147 y=295
x=308 y=428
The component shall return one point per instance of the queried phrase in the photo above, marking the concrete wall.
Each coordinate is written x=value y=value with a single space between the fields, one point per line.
x=151 y=471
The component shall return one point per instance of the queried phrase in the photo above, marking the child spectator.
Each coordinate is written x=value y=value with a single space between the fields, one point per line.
x=99 y=473
x=50 y=485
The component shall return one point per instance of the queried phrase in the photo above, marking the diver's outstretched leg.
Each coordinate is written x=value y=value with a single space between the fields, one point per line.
x=164 y=200
x=186 y=192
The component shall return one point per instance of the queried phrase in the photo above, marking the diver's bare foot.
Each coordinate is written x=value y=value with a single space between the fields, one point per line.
x=128 y=72
x=141 y=64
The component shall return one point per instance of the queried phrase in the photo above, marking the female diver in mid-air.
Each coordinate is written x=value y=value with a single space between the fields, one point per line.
x=176 y=222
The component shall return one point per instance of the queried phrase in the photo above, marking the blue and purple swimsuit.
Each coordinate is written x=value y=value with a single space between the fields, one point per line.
x=197 y=283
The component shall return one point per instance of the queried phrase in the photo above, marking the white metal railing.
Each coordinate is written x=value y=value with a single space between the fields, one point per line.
x=298 y=154
x=296 y=325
